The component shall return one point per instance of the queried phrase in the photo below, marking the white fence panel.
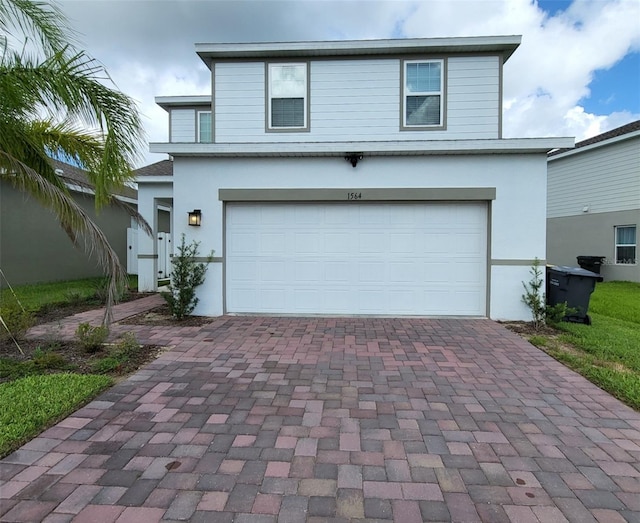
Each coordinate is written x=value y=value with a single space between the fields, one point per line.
x=132 y=251
x=165 y=252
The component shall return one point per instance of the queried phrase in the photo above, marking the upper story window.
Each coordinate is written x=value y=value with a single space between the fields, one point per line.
x=287 y=97
x=626 y=244
x=423 y=94
x=204 y=127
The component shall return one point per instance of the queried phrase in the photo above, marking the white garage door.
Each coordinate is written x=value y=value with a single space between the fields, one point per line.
x=356 y=258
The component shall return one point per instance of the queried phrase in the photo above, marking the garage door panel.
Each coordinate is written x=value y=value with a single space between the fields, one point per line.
x=404 y=272
x=272 y=271
x=468 y=300
x=336 y=243
x=243 y=243
x=339 y=300
x=437 y=243
x=306 y=243
x=402 y=301
x=370 y=301
x=273 y=216
x=272 y=243
x=371 y=215
x=308 y=271
x=246 y=270
x=467 y=272
x=271 y=299
x=356 y=258
x=337 y=272
x=371 y=272
x=402 y=243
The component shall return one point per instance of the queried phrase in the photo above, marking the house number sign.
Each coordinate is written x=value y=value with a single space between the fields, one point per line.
x=354 y=196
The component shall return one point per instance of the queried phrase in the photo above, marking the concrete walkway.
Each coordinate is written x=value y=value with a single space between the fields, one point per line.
x=261 y=419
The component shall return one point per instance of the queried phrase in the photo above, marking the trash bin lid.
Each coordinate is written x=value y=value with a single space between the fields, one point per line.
x=575 y=271
x=595 y=259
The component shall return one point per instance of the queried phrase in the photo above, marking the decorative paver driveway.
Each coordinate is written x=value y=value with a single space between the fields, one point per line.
x=260 y=419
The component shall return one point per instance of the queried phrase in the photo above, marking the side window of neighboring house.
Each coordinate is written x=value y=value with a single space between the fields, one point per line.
x=626 y=244
x=423 y=97
x=204 y=127
x=287 y=97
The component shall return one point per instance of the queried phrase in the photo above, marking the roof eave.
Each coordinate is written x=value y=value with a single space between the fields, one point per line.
x=503 y=45
x=404 y=148
x=580 y=149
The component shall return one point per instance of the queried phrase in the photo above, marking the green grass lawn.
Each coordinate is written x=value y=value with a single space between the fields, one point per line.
x=33 y=403
x=34 y=297
x=607 y=351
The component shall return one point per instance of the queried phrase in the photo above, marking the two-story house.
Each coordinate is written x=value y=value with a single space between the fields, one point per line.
x=593 y=206
x=354 y=177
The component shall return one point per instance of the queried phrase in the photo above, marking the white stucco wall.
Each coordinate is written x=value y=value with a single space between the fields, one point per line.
x=517 y=220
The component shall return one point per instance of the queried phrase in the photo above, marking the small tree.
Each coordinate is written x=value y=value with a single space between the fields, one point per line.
x=533 y=295
x=187 y=274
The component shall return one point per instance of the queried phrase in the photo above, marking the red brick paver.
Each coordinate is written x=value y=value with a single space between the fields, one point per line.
x=323 y=419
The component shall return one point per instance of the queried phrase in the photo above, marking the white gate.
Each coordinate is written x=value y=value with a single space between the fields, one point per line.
x=132 y=251
x=165 y=251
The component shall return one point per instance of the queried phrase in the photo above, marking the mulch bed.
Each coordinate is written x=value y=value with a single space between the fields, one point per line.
x=161 y=316
x=525 y=328
x=76 y=357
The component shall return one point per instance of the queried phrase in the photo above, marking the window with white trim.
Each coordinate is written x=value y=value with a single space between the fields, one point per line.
x=626 y=244
x=423 y=93
x=204 y=127
x=287 y=97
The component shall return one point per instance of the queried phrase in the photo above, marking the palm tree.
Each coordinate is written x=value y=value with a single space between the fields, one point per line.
x=54 y=103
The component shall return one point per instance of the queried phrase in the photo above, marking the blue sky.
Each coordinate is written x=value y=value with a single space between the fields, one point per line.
x=614 y=89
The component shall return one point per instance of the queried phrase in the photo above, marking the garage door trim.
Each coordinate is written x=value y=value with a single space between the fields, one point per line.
x=416 y=194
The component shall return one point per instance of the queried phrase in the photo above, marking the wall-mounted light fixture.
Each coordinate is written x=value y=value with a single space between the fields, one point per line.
x=195 y=217
x=353 y=158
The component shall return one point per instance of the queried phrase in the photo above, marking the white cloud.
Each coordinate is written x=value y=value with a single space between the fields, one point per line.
x=148 y=46
x=551 y=71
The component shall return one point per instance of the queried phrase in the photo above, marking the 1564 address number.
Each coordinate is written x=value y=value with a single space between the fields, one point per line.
x=354 y=196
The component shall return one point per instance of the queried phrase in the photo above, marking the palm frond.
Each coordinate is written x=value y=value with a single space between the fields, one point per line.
x=44 y=21
x=67 y=85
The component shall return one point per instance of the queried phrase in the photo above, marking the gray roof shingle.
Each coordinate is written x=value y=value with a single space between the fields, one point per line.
x=618 y=131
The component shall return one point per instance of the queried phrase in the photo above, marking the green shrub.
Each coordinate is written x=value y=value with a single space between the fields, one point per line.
x=15 y=320
x=120 y=356
x=535 y=299
x=186 y=275
x=127 y=343
x=12 y=369
x=533 y=296
x=47 y=359
x=91 y=338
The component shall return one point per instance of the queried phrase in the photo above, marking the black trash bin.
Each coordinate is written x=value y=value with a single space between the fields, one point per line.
x=574 y=286
x=591 y=263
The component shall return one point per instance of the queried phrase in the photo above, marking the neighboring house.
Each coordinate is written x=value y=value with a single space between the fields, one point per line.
x=432 y=213
x=593 y=202
x=34 y=247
